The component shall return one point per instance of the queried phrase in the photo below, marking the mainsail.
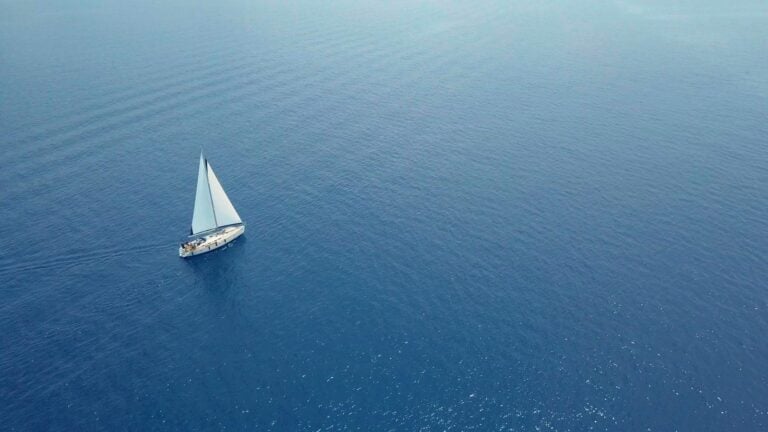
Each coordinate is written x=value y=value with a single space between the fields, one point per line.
x=213 y=209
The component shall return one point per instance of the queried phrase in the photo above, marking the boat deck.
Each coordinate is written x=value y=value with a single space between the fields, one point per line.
x=211 y=241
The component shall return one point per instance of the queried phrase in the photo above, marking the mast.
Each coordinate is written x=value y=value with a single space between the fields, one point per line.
x=210 y=194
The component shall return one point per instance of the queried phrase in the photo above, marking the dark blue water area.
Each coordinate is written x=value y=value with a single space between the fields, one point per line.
x=460 y=215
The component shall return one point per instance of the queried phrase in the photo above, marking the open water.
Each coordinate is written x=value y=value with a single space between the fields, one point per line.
x=461 y=215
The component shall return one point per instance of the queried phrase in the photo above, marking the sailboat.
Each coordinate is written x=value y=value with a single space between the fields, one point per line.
x=215 y=221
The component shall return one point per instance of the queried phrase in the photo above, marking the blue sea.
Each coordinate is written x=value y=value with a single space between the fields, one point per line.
x=461 y=215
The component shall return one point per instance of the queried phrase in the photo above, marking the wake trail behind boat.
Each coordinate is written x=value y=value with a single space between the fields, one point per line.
x=11 y=265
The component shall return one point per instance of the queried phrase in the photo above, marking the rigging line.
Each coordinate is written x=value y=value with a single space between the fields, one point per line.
x=210 y=194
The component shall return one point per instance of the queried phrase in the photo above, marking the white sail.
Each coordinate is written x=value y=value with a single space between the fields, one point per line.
x=223 y=209
x=203 y=216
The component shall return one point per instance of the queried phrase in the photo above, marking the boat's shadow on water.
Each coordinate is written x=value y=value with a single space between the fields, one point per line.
x=222 y=269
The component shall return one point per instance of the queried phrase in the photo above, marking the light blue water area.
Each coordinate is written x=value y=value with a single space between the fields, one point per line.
x=501 y=215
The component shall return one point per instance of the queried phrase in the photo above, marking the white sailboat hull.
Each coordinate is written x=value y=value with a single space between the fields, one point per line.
x=212 y=241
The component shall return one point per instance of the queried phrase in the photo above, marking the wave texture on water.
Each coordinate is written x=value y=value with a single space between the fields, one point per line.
x=461 y=216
